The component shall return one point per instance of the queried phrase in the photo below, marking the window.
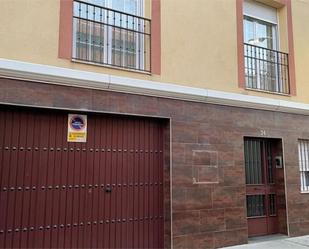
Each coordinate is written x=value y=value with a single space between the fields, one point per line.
x=112 y=32
x=256 y=205
x=265 y=67
x=260 y=33
x=303 y=157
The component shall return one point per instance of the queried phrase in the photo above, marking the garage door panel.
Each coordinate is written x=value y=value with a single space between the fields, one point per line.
x=146 y=182
x=56 y=182
x=40 y=181
x=4 y=173
x=54 y=177
x=28 y=179
x=124 y=188
x=47 y=183
x=75 y=216
x=29 y=238
x=150 y=186
x=11 y=174
x=130 y=180
x=59 y=192
x=101 y=134
x=161 y=185
x=62 y=195
x=2 y=152
x=96 y=180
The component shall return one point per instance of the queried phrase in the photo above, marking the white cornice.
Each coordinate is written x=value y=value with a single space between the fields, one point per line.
x=63 y=76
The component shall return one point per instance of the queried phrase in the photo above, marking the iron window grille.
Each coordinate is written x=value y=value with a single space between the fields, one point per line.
x=303 y=158
x=110 y=37
x=256 y=205
x=255 y=150
x=266 y=69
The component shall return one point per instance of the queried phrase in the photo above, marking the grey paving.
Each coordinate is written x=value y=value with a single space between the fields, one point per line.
x=275 y=242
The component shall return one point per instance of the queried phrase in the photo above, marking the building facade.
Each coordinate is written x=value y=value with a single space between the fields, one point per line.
x=151 y=124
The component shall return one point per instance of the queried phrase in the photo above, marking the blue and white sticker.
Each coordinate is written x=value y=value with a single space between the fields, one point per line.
x=77 y=128
x=77 y=122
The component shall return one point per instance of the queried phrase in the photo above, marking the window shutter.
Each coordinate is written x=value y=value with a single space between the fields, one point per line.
x=260 y=11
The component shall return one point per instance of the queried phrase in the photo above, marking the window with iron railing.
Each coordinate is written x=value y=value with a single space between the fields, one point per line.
x=112 y=32
x=266 y=68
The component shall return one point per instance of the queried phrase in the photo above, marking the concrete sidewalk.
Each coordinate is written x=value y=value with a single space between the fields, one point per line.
x=275 y=242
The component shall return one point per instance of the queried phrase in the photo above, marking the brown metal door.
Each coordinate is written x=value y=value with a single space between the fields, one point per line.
x=260 y=187
x=105 y=193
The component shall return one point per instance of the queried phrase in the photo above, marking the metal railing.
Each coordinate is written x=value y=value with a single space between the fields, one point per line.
x=110 y=37
x=266 y=69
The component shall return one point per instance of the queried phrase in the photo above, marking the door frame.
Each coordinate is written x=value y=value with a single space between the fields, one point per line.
x=256 y=188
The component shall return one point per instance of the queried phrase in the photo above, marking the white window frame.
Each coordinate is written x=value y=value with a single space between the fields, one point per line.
x=274 y=30
x=263 y=13
x=274 y=47
x=303 y=159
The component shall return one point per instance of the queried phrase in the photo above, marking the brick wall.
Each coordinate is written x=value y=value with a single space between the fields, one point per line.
x=206 y=141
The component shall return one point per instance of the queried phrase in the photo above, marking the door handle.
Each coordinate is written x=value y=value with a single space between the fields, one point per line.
x=108 y=189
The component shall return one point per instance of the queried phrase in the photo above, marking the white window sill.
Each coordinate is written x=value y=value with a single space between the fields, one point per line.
x=265 y=91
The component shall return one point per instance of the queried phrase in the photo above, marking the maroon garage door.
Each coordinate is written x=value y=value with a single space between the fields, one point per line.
x=107 y=192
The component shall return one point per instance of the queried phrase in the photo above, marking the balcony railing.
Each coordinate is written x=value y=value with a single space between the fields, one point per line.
x=266 y=69
x=110 y=37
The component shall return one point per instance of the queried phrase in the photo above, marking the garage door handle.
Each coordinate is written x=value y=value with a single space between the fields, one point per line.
x=108 y=189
